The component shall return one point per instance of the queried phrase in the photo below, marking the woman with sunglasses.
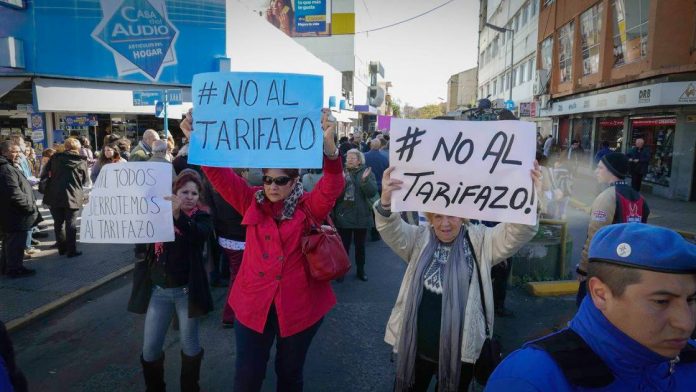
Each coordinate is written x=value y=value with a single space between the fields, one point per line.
x=273 y=296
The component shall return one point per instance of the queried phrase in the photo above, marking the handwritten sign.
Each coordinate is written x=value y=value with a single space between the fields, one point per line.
x=472 y=169
x=257 y=120
x=126 y=205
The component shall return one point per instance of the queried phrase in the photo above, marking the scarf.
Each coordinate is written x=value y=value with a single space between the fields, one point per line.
x=145 y=147
x=290 y=202
x=159 y=246
x=456 y=281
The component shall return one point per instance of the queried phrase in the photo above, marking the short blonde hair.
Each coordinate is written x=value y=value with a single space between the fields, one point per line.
x=358 y=153
x=72 y=144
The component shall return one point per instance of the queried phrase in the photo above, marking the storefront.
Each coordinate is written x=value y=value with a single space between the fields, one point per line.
x=662 y=114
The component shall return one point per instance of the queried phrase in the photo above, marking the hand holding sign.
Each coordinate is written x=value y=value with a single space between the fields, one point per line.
x=389 y=185
x=176 y=205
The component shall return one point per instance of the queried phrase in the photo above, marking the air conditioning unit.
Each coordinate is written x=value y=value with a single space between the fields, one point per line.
x=542 y=79
x=544 y=101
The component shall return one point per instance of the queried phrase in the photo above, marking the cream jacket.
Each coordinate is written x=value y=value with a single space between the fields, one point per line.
x=491 y=246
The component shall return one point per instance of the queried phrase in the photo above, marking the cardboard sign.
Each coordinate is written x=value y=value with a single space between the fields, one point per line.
x=257 y=120
x=127 y=206
x=471 y=169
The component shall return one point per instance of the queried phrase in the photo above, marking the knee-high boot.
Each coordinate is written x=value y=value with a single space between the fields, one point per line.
x=190 y=372
x=154 y=374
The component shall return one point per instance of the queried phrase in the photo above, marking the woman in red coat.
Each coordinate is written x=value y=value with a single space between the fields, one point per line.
x=274 y=297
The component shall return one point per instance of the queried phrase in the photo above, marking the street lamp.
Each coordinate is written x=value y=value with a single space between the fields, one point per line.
x=512 y=48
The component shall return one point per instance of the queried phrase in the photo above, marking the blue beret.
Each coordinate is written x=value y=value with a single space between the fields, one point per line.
x=643 y=246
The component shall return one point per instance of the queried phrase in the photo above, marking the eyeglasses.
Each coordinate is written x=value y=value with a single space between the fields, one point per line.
x=280 y=181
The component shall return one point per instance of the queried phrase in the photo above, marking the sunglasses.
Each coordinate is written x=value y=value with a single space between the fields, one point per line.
x=280 y=181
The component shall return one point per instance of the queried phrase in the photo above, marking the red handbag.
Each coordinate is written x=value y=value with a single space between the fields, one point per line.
x=323 y=248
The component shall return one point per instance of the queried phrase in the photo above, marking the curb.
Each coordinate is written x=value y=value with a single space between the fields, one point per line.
x=553 y=288
x=18 y=323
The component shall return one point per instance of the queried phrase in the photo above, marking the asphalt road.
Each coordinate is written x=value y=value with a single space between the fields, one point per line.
x=94 y=343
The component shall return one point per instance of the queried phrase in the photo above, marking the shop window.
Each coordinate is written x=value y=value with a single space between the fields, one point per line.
x=565 y=52
x=658 y=134
x=582 y=132
x=590 y=27
x=630 y=30
x=610 y=130
x=546 y=53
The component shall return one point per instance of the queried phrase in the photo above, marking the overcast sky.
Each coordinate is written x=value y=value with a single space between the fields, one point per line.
x=419 y=56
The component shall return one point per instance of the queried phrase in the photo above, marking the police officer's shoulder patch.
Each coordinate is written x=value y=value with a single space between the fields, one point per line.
x=599 y=215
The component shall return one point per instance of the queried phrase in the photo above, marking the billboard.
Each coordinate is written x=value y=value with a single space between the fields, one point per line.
x=125 y=40
x=298 y=18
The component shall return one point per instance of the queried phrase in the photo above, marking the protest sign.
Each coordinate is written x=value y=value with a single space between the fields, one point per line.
x=472 y=169
x=127 y=206
x=257 y=120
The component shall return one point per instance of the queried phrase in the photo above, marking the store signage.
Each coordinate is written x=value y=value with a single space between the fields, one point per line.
x=611 y=122
x=150 y=97
x=527 y=109
x=89 y=120
x=661 y=94
x=38 y=127
x=139 y=35
x=654 y=122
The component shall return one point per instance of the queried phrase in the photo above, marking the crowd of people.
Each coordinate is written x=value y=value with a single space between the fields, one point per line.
x=244 y=228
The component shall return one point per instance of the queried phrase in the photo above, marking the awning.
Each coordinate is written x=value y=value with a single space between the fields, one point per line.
x=7 y=84
x=59 y=95
x=346 y=116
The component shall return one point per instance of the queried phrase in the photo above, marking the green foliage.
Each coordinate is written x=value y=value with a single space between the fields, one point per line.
x=429 y=111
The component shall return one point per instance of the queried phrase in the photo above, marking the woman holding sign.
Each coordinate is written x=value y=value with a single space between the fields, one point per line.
x=440 y=321
x=273 y=296
x=173 y=279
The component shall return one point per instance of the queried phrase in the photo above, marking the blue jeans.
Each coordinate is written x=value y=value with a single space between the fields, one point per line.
x=254 y=349
x=158 y=317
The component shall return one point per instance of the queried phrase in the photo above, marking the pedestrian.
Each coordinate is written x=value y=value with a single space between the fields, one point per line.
x=110 y=153
x=639 y=159
x=310 y=179
x=561 y=187
x=19 y=215
x=548 y=144
x=45 y=157
x=274 y=298
x=353 y=210
x=618 y=203
x=124 y=147
x=440 y=320
x=86 y=151
x=574 y=156
x=160 y=154
x=385 y=147
x=173 y=279
x=67 y=174
x=143 y=151
x=11 y=377
x=376 y=161
x=22 y=161
x=32 y=161
x=602 y=152
x=631 y=332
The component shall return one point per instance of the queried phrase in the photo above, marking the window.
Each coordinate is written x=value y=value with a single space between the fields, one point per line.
x=565 y=52
x=501 y=82
x=658 y=134
x=481 y=93
x=548 y=2
x=495 y=87
x=546 y=54
x=530 y=69
x=507 y=80
x=630 y=30
x=494 y=47
x=488 y=89
x=532 y=7
x=523 y=15
x=590 y=26
x=523 y=72
x=514 y=77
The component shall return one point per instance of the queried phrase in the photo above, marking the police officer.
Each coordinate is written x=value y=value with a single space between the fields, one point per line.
x=618 y=203
x=632 y=330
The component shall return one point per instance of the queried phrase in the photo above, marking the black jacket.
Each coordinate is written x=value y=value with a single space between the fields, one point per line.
x=17 y=379
x=19 y=210
x=68 y=173
x=195 y=230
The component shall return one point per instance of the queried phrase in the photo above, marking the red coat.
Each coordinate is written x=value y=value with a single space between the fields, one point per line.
x=274 y=269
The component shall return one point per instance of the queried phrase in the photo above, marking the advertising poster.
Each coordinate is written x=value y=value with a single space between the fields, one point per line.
x=298 y=18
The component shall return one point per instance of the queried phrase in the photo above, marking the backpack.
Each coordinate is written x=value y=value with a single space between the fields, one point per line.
x=629 y=211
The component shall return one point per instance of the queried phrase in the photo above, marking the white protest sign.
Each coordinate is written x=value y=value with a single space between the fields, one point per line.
x=127 y=206
x=472 y=169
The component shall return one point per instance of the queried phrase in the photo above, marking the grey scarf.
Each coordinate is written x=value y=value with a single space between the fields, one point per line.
x=457 y=277
x=289 y=203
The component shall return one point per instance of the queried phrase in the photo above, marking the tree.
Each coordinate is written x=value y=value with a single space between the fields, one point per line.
x=430 y=111
x=396 y=109
x=409 y=111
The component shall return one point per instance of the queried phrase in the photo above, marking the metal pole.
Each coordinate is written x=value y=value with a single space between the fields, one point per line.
x=512 y=61
x=166 y=103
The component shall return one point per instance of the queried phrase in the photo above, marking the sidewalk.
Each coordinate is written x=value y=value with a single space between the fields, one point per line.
x=59 y=279
x=673 y=214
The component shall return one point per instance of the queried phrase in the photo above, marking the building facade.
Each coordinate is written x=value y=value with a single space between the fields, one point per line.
x=618 y=70
x=507 y=56
x=462 y=90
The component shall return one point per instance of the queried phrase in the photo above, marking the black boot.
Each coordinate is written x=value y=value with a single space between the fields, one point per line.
x=361 y=273
x=190 y=372
x=154 y=374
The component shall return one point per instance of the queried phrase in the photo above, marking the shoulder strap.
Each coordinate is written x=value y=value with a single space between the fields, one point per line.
x=580 y=365
x=480 y=284
x=313 y=222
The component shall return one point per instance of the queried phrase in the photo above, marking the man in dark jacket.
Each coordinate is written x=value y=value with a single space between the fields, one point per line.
x=377 y=162
x=64 y=194
x=19 y=212
x=638 y=158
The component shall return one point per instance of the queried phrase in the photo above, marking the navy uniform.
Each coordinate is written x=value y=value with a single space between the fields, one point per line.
x=592 y=354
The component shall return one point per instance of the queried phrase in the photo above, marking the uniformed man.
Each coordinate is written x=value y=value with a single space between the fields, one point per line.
x=618 y=203
x=631 y=332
